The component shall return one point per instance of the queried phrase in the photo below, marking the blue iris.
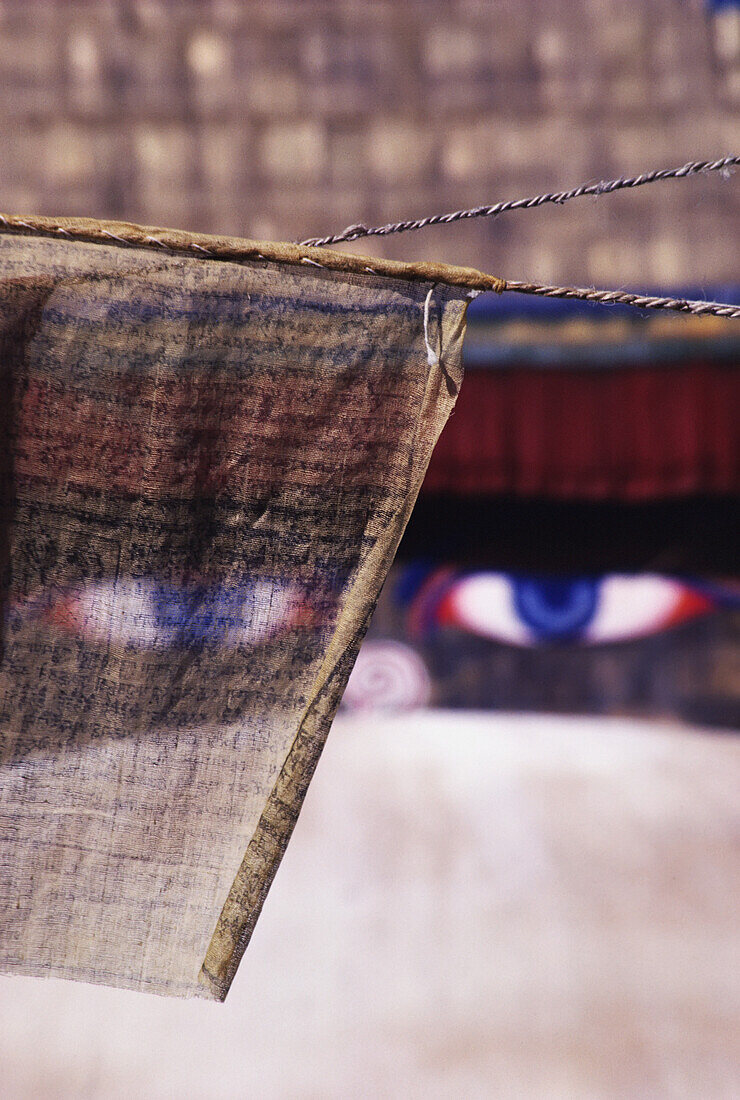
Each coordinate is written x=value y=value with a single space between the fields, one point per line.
x=554 y=609
x=198 y=615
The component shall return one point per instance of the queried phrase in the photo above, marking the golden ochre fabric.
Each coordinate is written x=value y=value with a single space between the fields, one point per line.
x=205 y=470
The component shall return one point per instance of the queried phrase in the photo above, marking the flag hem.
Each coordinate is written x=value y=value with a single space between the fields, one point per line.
x=236 y=249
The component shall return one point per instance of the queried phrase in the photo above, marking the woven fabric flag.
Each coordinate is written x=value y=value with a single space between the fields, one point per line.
x=210 y=449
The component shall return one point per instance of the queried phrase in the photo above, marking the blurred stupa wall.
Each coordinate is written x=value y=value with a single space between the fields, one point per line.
x=292 y=118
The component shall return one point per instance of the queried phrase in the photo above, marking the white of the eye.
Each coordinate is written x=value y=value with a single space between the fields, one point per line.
x=122 y=611
x=484 y=604
x=269 y=607
x=631 y=606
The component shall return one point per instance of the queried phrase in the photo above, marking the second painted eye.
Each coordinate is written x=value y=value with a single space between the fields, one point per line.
x=530 y=611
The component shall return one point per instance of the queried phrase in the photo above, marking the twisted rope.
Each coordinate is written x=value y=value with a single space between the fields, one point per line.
x=606 y=187
x=626 y=298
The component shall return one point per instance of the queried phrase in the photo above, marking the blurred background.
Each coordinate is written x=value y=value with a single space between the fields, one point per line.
x=516 y=873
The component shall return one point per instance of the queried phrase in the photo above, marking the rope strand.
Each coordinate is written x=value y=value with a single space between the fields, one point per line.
x=606 y=187
x=627 y=298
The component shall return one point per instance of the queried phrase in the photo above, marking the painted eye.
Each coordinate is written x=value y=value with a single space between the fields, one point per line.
x=149 y=614
x=529 y=611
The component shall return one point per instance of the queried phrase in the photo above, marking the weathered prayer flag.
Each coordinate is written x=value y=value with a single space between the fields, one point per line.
x=210 y=449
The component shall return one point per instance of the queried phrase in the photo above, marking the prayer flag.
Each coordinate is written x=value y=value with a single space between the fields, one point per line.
x=209 y=452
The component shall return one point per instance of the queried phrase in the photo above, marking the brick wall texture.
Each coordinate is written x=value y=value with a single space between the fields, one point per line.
x=292 y=118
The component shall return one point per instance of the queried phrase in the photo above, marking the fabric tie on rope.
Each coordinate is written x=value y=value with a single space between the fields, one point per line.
x=432 y=356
